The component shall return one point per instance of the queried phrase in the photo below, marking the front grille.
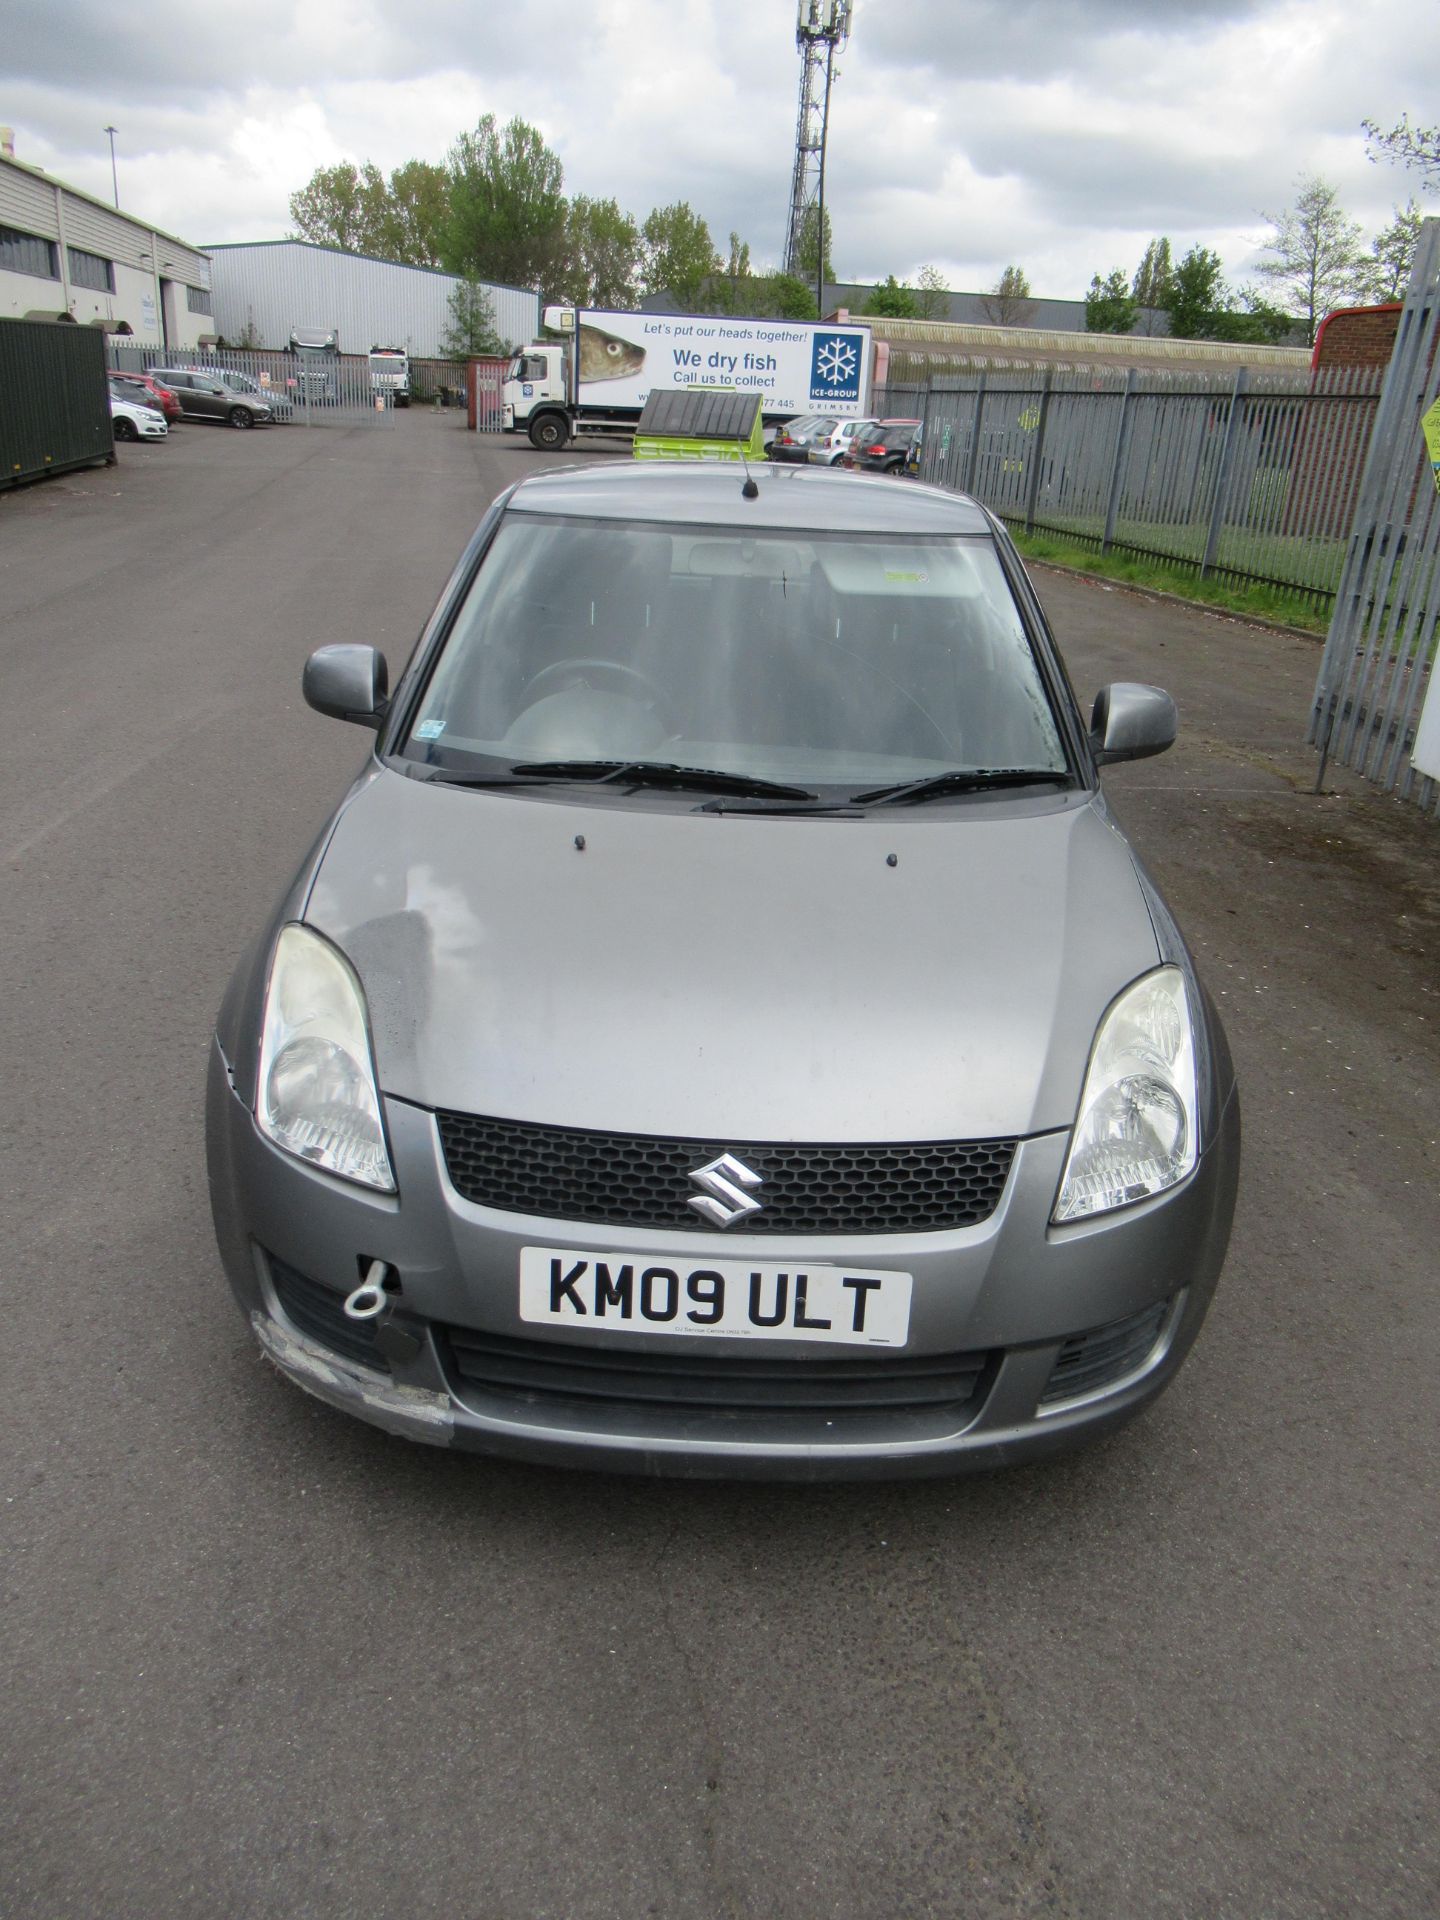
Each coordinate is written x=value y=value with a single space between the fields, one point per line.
x=1098 y=1359
x=715 y=1385
x=639 y=1180
x=319 y=1312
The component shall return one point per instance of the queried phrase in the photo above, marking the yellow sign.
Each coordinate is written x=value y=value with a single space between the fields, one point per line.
x=1430 y=427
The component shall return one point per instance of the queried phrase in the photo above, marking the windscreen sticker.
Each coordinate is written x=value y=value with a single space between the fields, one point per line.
x=906 y=579
x=429 y=729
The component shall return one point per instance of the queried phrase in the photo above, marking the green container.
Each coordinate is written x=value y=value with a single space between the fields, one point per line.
x=701 y=423
x=54 y=400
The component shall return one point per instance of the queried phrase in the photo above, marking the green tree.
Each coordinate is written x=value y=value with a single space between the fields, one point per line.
x=678 y=255
x=786 y=297
x=1252 y=319
x=470 y=323
x=1110 y=307
x=1317 y=260
x=602 y=255
x=891 y=300
x=1008 y=302
x=806 y=258
x=1417 y=147
x=1153 y=275
x=507 y=207
x=932 y=297
x=341 y=206
x=358 y=209
x=1387 y=272
x=417 y=208
x=1196 y=293
x=733 y=288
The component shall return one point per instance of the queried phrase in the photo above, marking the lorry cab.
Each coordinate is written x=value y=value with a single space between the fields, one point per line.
x=390 y=374
x=537 y=394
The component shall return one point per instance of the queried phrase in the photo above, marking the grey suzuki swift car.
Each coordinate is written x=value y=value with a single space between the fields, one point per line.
x=722 y=1030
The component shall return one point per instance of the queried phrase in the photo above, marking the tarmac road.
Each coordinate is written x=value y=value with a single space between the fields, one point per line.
x=263 y=1661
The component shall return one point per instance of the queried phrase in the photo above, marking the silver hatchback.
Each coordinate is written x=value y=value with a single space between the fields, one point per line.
x=722 y=1030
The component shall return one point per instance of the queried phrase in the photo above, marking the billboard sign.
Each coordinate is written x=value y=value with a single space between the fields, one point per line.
x=793 y=366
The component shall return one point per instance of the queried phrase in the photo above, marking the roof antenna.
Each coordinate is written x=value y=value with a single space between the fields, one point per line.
x=750 y=491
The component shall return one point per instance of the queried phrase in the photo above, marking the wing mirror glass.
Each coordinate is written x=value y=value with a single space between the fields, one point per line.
x=349 y=683
x=1130 y=722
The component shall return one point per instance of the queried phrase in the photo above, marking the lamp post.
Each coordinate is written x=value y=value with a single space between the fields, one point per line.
x=114 y=177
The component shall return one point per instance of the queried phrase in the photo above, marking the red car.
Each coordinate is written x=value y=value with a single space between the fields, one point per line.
x=154 y=395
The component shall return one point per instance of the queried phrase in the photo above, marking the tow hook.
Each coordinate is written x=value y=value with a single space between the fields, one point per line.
x=370 y=1300
x=372 y=1303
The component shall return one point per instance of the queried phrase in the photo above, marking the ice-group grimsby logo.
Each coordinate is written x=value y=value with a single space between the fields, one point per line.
x=835 y=368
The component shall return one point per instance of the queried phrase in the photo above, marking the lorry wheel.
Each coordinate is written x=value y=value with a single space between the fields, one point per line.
x=549 y=432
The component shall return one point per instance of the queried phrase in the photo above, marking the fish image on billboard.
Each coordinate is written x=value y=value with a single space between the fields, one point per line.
x=603 y=356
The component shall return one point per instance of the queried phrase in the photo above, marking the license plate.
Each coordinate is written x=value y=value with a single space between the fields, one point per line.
x=591 y=1292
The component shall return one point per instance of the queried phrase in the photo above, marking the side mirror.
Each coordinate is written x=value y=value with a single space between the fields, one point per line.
x=1130 y=722
x=348 y=683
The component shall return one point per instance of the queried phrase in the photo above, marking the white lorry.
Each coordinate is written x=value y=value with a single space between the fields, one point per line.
x=598 y=377
x=390 y=375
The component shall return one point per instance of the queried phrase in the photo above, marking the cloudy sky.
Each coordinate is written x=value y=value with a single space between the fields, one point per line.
x=1056 y=134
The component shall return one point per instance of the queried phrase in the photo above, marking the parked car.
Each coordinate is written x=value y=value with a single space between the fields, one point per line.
x=145 y=391
x=793 y=441
x=131 y=422
x=887 y=450
x=203 y=395
x=282 y=407
x=829 y=449
x=722 y=1030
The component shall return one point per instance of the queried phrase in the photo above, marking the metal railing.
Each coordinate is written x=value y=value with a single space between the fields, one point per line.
x=1375 y=694
x=309 y=388
x=1248 y=479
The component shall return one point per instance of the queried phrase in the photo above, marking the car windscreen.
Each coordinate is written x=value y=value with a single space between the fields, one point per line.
x=821 y=659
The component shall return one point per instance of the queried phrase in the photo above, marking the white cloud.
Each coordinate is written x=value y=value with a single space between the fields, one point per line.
x=1058 y=134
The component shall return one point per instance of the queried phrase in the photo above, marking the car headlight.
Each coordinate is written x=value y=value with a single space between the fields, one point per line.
x=1137 y=1129
x=317 y=1096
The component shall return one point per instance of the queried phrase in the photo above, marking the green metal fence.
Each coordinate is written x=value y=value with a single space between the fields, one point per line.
x=1241 y=478
x=54 y=404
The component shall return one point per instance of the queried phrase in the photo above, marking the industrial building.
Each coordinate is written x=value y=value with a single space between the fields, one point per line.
x=67 y=256
x=265 y=289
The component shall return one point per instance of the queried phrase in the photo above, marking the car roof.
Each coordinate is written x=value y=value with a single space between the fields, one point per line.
x=791 y=498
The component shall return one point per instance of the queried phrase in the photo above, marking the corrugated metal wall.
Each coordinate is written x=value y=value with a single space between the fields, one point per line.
x=263 y=292
x=54 y=403
x=27 y=201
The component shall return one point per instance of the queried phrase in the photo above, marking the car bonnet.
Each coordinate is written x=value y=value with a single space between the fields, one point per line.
x=644 y=968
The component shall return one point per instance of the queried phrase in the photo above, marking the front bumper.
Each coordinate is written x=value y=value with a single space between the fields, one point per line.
x=1013 y=1295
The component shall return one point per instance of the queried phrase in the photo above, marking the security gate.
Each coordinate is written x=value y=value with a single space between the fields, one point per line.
x=1378 y=671
x=310 y=388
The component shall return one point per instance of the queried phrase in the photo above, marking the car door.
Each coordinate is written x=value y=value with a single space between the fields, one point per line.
x=211 y=397
x=179 y=385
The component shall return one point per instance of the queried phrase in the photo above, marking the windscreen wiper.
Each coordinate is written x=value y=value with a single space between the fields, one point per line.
x=937 y=786
x=660 y=773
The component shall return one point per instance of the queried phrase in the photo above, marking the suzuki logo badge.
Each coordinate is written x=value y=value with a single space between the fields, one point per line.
x=725 y=1198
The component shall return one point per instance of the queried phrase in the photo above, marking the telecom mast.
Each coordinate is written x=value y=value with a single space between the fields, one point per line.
x=821 y=28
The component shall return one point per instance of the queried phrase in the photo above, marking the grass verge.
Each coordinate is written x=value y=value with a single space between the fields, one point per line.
x=1271 y=604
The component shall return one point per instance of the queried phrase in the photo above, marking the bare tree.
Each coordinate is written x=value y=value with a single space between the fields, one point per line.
x=1417 y=147
x=1008 y=303
x=1319 y=261
x=931 y=296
